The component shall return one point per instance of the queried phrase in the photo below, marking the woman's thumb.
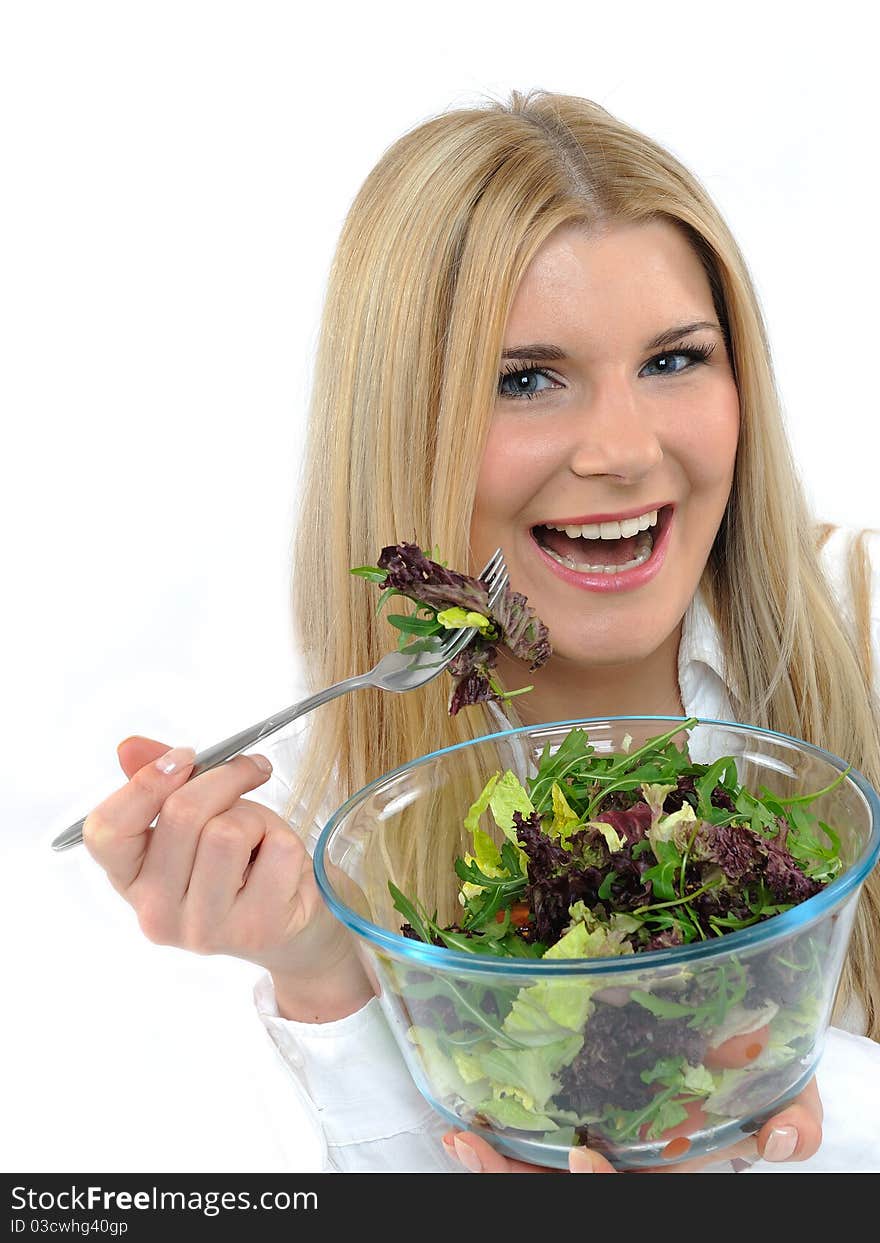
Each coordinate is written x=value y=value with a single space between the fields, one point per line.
x=136 y=751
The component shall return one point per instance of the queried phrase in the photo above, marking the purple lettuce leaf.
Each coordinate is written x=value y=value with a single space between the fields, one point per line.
x=522 y=631
x=413 y=574
x=632 y=824
x=733 y=847
x=518 y=627
x=782 y=873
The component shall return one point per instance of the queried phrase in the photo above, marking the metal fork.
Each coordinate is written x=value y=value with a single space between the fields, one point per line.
x=398 y=671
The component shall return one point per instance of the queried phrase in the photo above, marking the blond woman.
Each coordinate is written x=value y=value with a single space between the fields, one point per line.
x=536 y=319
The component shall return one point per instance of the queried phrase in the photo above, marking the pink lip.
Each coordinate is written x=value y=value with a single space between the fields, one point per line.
x=629 y=579
x=587 y=519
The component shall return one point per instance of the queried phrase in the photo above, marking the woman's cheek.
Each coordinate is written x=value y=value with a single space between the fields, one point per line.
x=514 y=465
x=705 y=438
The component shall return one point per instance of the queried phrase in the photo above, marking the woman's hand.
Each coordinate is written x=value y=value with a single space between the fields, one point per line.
x=221 y=874
x=478 y=1156
x=794 y=1134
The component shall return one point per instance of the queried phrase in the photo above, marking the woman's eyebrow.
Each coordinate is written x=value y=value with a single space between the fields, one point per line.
x=549 y=353
x=675 y=334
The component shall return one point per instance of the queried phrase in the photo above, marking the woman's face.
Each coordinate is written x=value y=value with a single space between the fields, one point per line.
x=612 y=429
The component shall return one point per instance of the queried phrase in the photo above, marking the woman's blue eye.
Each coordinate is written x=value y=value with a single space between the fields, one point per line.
x=688 y=355
x=522 y=386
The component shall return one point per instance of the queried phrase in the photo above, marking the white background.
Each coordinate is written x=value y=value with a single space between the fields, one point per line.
x=175 y=176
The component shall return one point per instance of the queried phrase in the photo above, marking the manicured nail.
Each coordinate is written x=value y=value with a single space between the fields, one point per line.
x=579 y=1161
x=781 y=1144
x=467 y=1156
x=175 y=759
x=261 y=762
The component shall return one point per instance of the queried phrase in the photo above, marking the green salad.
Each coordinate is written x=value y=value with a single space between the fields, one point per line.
x=448 y=601
x=609 y=856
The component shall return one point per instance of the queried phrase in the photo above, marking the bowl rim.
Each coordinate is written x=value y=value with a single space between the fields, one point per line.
x=769 y=930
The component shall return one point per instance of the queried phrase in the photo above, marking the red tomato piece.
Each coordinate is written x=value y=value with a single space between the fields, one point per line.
x=519 y=914
x=738 y=1051
x=676 y=1148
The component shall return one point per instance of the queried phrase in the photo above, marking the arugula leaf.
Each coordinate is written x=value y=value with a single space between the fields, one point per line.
x=730 y=986
x=662 y=874
x=512 y=859
x=411 y=914
x=752 y=809
x=371 y=572
x=722 y=772
x=810 y=798
x=574 y=749
x=415 y=625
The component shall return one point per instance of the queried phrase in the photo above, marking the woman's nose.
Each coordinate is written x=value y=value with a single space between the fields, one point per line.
x=614 y=433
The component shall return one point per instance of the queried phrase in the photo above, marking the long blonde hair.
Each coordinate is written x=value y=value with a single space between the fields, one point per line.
x=421 y=285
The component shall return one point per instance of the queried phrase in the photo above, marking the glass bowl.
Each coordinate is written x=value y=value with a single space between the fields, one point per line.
x=539 y=1054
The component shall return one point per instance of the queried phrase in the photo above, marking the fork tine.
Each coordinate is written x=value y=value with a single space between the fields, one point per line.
x=450 y=649
x=498 y=588
x=491 y=568
x=495 y=576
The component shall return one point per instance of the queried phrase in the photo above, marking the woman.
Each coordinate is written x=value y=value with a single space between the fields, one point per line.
x=479 y=235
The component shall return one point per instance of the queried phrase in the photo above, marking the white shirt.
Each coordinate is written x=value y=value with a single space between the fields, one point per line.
x=350 y=1076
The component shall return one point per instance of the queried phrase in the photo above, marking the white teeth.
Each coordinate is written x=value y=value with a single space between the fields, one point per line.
x=609 y=530
x=646 y=547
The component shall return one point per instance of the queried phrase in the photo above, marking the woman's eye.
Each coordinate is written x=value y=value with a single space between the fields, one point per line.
x=519 y=383
x=666 y=369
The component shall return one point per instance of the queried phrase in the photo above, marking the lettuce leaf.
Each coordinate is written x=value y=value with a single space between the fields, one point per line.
x=739 y=1020
x=476 y=809
x=543 y=1012
x=460 y=619
x=441 y=1071
x=546 y=1013
x=503 y=795
x=676 y=827
x=529 y=1073
x=565 y=818
x=506 y=797
x=613 y=840
x=655 y=795
x=796 y=1022
x=507 y=1111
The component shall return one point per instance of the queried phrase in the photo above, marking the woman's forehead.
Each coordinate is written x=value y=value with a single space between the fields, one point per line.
x=630 y=279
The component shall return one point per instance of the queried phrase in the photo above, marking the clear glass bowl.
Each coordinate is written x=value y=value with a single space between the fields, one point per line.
x=580 y=1041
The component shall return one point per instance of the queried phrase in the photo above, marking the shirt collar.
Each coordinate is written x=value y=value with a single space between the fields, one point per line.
x=700 y=650
x=702 y=675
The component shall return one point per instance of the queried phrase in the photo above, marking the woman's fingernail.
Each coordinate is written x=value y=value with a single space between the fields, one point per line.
x=175 y=759
x=579 y=1161
x=264 y=765
x=781 y=1144
x=467 y=1156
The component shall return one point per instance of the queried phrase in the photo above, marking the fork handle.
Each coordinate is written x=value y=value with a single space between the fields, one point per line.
x=229 y=747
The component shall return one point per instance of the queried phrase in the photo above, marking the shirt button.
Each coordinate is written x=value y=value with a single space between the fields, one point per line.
x=292 y=1054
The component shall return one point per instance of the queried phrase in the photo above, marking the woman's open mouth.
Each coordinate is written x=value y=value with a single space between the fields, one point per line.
x=606 y=550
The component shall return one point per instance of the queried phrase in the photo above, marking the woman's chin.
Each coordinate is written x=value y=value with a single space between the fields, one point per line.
x=590 y=656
